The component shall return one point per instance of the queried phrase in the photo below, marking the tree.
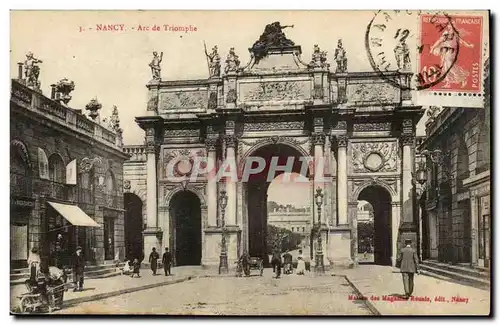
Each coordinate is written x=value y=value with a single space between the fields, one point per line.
x=282 y=239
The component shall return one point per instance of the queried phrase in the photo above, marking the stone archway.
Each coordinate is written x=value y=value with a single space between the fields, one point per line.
x=256 y=187
x=382 y=243
x=186 y=228
x=133 y=226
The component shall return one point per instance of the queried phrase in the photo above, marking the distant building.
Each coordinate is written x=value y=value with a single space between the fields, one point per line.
x=66 y=169
x=297 y=220
x=365 y=212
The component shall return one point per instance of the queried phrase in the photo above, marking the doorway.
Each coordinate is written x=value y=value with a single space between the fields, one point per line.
x=185 y=215
x=380 y=201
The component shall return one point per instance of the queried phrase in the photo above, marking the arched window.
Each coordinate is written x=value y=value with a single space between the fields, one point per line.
x=462 y=164
x=57 y=169
x=110 y=189
x=20 y=171
x=483 y=151
x=86 y=188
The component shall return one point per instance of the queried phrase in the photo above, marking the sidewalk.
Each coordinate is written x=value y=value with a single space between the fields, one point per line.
x=384 y=283
x=107 y=287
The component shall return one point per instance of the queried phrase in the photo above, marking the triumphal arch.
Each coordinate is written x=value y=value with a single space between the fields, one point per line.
x=362 y=124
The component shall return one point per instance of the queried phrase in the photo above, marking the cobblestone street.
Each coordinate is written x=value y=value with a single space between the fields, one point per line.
x=304 y=295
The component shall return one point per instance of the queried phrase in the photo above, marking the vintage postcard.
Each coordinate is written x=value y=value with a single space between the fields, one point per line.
x=250 y=162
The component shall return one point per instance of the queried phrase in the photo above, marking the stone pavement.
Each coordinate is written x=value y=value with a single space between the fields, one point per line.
x=254 y=295
x=444 y=298
x=107 y=287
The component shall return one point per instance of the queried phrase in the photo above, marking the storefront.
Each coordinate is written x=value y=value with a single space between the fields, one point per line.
x=479 y=188
x=19 y=230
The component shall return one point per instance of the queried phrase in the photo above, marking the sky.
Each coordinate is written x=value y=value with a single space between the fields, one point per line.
x=112 y=66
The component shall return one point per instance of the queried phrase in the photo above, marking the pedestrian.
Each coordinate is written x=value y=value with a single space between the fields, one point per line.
x=78 y=265
x=276 y=262
x=408 y=264
x=34 y=261
x=166 y=261
x=301 y=264
x=245 y=263
x=136 y=267
x=153 y=260
x=59 y=252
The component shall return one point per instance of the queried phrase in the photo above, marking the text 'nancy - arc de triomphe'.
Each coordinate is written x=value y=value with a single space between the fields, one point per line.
x=277 y=105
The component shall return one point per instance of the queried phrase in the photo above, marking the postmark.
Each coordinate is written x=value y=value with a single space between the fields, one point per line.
x=392 y=42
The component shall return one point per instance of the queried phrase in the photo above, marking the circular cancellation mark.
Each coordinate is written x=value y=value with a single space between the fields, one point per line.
x=386 y=43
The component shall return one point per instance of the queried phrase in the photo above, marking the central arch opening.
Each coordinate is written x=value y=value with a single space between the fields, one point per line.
x=185 y=215
x=377 y=240
x=289 y=185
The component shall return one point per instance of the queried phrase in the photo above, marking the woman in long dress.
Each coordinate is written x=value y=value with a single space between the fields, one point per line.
x=301 y=264
x=446 y=47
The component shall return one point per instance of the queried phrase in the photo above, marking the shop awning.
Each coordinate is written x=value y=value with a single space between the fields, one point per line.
x=74 y=215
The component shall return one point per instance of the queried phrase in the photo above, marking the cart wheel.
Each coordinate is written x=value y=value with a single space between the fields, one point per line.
x=23 y=305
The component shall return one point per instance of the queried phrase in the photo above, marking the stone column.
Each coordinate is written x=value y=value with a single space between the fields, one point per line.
x=408 y=226
x=211 y=183
x=396 y=211
x=342 y=199
x=151 y=232
x=318 y=142
x=230 y=182
x=474 y=231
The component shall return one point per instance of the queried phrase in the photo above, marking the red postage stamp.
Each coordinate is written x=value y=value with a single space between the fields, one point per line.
x=450 y=55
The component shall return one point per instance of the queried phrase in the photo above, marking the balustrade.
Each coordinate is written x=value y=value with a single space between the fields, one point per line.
x=33 y=100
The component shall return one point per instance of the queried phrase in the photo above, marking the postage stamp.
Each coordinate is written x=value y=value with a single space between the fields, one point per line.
x=455 y=47
x=452 y=50
x=439 y=55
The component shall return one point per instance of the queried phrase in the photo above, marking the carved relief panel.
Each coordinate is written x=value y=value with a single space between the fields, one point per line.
x=374 y=157
x=372 y=94
x=183 y=100
x=275 y=91
x=179 y=164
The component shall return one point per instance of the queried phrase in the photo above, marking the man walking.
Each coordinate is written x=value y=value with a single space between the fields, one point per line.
x=167 y=260
x=276 y=262
x=408 y=261
x=78 y=266
x=153 y=260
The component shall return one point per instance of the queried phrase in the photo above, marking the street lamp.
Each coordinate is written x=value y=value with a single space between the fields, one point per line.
x=223 y=267
x=320 y=266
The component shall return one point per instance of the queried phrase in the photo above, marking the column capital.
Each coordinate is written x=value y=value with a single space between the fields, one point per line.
x=230 y=140
x=210 y=144
x=407 y=139
x=342 y=140
x=318 y=138
x=407 y=125
x=340 y=125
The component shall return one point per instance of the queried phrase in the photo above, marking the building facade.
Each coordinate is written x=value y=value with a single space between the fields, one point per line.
x=65 y=169
x=359 y=123
x=456 y=204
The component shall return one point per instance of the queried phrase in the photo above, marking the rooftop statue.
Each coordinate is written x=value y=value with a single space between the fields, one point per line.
x=155 y=65
x=213 y=62
x=232 y=62
x=340 y=58
x=32 y=70
x=272 y=37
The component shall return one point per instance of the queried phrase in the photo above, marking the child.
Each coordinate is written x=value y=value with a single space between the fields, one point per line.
x=137 y=266
x=126 y=269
